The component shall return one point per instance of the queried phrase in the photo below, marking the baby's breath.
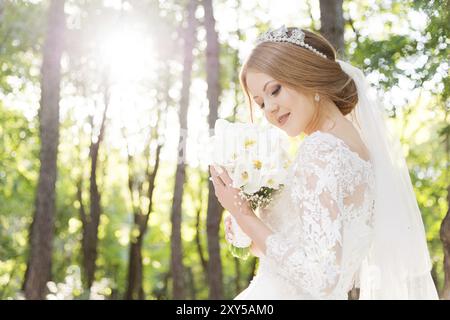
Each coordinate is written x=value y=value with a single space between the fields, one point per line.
x=261 y=198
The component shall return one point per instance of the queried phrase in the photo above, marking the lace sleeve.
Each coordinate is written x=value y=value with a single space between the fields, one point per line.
x=308 y=254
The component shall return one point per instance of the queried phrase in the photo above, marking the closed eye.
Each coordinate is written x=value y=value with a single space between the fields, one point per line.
x=277 y=90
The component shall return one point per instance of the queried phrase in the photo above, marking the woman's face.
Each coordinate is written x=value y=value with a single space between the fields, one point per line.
x=283 y=107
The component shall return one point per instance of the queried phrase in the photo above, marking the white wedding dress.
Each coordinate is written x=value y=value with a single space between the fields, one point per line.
x=322 y=222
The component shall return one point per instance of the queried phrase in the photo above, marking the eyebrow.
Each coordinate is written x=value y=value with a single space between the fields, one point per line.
x=264 y=88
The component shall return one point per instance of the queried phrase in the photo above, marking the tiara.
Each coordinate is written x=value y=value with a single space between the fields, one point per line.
x=297 y=37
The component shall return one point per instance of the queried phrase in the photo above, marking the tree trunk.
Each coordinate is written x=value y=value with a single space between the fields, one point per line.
x=198 y=241
x=214 y=213
x=445 y=238
x=39 y=265
x=332 y=23
x=92 y=220
x=135 y=264
x=135 y=289
x=445 y=226
x=176 y=240
x=191 y=283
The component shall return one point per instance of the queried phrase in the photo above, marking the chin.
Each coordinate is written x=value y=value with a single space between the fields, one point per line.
x=290 y=133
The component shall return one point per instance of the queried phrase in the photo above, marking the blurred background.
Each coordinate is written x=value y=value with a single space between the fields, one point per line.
x=105 y=108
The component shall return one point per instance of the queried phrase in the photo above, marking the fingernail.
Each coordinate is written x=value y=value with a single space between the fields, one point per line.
x=218 y=169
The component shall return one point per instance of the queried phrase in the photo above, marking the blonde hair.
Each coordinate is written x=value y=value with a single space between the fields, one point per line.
x=303 y=70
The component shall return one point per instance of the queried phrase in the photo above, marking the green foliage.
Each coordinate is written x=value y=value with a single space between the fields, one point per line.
x=21 y=36
x=18 y=173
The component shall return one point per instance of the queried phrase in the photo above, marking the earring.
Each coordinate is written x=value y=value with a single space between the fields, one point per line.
x=317 y=97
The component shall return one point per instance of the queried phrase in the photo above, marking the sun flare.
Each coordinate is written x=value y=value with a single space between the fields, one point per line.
x=128 y=55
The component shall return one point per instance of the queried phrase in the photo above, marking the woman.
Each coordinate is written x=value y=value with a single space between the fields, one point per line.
x=348 y=215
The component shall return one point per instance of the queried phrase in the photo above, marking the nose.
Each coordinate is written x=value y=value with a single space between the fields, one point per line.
x=272 y=108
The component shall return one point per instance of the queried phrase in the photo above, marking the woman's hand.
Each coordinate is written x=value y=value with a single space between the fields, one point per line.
x=240 y=208
x=228 y=196
x=229 y=236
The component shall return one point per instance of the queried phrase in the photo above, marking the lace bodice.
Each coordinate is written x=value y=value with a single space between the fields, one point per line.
x=322 y=220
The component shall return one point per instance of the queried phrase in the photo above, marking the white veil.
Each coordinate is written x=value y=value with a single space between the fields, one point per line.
x=398 y=265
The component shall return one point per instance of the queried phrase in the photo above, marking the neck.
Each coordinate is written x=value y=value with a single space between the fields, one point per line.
x=325 y=118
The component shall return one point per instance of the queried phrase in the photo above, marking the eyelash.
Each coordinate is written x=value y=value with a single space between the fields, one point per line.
x=273 y=93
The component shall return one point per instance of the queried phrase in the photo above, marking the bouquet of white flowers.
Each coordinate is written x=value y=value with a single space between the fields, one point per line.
x=256 y=158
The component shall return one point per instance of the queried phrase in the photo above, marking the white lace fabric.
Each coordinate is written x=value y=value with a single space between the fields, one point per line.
x=322 y=221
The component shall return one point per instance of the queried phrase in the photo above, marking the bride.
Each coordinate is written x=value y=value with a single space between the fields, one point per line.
x=348 y=214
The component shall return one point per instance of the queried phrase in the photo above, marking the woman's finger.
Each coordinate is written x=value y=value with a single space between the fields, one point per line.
x=218 y=186
x=222 y=173
x=225 y=177
x=217 y=181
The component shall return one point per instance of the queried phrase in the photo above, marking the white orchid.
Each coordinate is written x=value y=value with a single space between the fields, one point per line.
x=257 y=161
